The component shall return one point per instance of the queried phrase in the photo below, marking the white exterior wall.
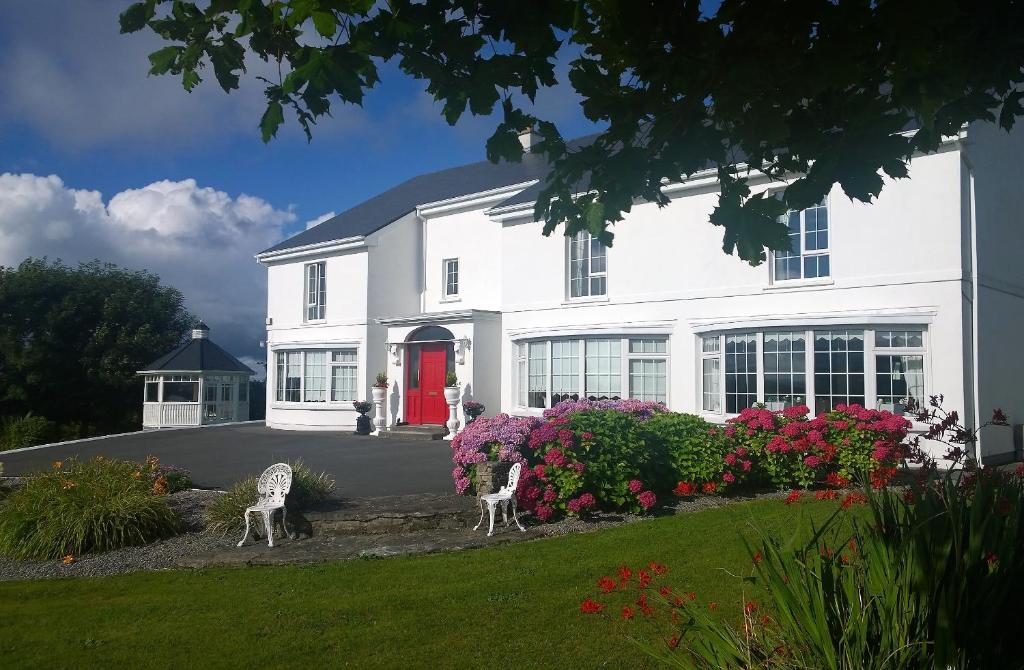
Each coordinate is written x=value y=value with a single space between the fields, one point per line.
x=995 y=162
x=344 y=326
x=475 y=239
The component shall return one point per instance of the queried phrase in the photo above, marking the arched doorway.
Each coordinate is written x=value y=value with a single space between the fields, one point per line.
x=430 y=356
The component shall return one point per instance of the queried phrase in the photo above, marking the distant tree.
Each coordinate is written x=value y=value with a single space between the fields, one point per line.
x=71 y=340
x=816 y=90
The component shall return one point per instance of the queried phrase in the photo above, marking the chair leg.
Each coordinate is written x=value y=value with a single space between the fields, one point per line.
x=481 y=501
x=268 y=523
x=516 y=518
x=246 y=536
x=284 y=522
x=490 y=508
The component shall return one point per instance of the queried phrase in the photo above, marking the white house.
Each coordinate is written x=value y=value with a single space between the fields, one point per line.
x=919 y=293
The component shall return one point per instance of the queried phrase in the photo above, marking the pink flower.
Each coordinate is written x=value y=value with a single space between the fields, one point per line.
x=741 y=452
x=544 y=512
x=647 y=499
x=746 y=466
x=578 y=467
x=550 y=495
x=730 y=459
x=812 y=461
x=461 y=485
x=555 y=458
x=635 y=486
x=729 y=477
x=540 y=470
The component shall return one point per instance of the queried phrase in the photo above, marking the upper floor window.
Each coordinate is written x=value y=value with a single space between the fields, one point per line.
x=588 y=266
x=451 y=278
x=316 y=291
x=808 y=257
x=550 y=371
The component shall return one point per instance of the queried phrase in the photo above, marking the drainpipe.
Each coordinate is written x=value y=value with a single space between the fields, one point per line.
x=974 y=390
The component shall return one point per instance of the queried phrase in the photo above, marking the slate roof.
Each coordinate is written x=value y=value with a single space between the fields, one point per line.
x=372 y=215
x=199 y=355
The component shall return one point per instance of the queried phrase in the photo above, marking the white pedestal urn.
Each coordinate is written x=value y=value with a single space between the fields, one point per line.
x=451 y=396
x=378 y=404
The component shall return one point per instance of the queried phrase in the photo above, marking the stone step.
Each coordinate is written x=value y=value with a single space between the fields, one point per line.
x=418 y=432
x=393 y=514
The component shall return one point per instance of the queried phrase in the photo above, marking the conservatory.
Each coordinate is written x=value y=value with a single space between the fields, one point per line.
x=196 y=384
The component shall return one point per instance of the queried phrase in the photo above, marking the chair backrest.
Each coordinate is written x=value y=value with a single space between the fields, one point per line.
x=513 y=477
x=275 y=482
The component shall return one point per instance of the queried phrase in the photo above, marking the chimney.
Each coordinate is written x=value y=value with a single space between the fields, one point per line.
x=201 y=331
x=528 y=137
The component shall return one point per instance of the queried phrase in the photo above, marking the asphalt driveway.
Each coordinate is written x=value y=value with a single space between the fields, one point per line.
x=221 y=455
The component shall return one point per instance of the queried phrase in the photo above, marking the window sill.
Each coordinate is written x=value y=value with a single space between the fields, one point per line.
x=529 y=411
x=799 y=284
x=341 y=405
x=453 y=298
x=585 y=301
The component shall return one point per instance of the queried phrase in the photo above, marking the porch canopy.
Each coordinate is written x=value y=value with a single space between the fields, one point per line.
x=198 y=383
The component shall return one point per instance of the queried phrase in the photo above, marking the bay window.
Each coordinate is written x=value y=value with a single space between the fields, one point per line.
x=315 y=376
x=598 y=368
x=876 y=368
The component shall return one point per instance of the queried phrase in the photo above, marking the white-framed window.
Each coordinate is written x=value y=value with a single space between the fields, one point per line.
x=451 y=278
x=316 y=291
x=588 y=266
x=819 y=367
x=152 y=389
x=316 y=376
x=598 y=368
x=899 y=366
x=808 y=256
x=711 y=373
x=181 y=388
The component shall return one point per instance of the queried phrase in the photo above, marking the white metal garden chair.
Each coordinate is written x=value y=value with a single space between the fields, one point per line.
x=506 y=496
x=274 y=484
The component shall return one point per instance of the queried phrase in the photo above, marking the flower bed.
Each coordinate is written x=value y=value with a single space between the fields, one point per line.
x=623 y=455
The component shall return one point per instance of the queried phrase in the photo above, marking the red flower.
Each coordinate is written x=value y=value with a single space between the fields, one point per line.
x=684 y=489
x=749 y=607
x=644 y=578
x=765 y=620
x=635 y=486
x=607 y=584
x=709 y=487
x=712 y=606
x=628 y=613
x=591 y=606
x=825 y=495
x=691 y=596
x=793 y=497
x=673 y=641
x=757 y=557
x=657 y=568
x=852 y=499
x=625 y=572
x=665 y=591
x=647 y=499
x=991 y=559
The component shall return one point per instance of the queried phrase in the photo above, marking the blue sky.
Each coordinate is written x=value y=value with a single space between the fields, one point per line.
x=99 y=160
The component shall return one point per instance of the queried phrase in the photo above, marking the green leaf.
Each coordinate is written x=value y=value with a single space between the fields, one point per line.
x=135 y=17
x=272 y=119
x=164 y=60
x=326 y=24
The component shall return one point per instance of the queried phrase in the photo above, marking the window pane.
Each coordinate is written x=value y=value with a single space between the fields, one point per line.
x=293 y=377
x=838 y=369
x=587 y=266
x=808 y=237
x=343 y=383
x=181 y=391
x=538 y=374
x=784 y=377
x=565 y=370
x=648 y=346
x=603 y=370
x=152 y=391
x=316 y=377
x=521 y=383
x=899 y=378
x=451 y=277
x=740 y=372
x=711 y=384
x=647 y=379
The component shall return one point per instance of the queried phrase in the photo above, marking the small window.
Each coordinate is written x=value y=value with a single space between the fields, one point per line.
x=711 y=373
x=451 y=278
x=316 y=291
x=153 y=390
x=588 y=266
x=808 y=256
x=899 y=367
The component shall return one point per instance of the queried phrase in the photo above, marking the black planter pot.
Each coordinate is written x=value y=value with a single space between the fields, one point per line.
x=363 y=426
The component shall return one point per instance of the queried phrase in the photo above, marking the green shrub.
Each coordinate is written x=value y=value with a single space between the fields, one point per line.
x=225 y=514
x=25 y=431
x=695 y=448
x=81 y=507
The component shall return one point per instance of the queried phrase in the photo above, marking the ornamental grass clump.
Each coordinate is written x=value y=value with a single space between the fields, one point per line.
x=226 y=513
x=81 y=507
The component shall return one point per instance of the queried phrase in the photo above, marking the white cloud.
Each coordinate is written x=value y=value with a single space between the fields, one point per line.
x=197 y=239
x=320 y=219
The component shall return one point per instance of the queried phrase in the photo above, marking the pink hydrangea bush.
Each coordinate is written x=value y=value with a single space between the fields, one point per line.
x=787 y=449
x=641 y=409
x=496 y=438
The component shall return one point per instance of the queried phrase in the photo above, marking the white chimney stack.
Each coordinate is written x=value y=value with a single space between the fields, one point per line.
x=528 y=137
x=201 y=331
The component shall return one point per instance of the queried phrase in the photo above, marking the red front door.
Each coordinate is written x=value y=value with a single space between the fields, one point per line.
x=424 y=384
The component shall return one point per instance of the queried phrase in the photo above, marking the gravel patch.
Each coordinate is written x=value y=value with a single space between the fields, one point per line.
x=162 y=555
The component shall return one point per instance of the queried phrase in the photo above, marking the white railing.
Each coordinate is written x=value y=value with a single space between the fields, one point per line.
x=179 y=414
x=151 y=415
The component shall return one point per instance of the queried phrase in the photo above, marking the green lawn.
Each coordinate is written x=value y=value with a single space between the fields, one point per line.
x=509 y=605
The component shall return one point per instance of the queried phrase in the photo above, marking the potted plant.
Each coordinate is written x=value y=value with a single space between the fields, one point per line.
x=451 y=388
x=363 y=426
x=473 y=409
x=380 y=387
